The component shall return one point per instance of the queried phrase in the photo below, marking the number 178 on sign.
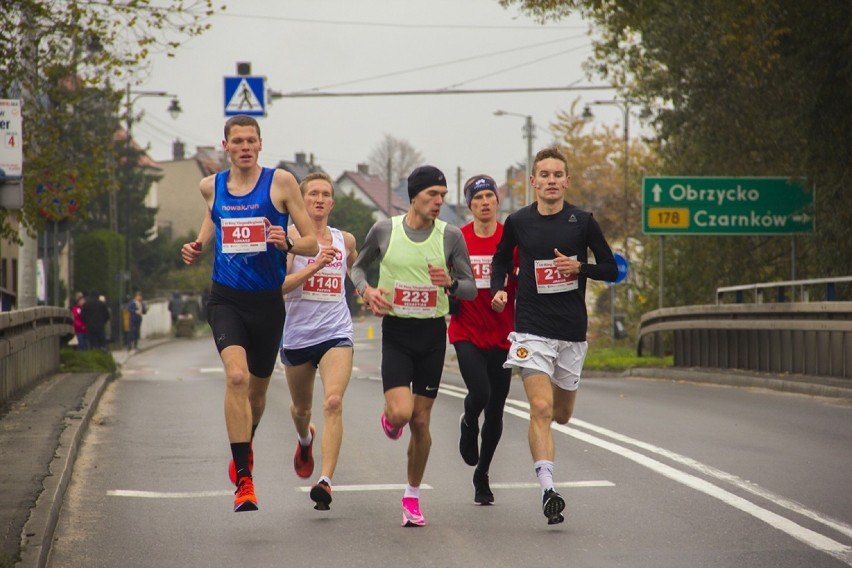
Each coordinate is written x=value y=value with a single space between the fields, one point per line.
x=668 y=218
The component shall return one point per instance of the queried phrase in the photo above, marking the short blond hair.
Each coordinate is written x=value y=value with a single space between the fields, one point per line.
x=303 y=185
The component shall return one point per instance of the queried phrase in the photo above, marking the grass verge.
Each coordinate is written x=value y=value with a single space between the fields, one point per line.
x=621 y=358
x=95 y=361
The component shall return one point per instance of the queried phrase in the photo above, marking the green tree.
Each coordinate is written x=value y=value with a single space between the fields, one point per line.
x=596 y=165
x=61 y=58
x=350 y=214
x=740 y=89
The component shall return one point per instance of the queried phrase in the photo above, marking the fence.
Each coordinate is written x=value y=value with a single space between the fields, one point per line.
x=813 y=338
x=29 y=346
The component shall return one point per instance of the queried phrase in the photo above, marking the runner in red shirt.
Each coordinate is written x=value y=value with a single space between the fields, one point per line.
x=480 y=338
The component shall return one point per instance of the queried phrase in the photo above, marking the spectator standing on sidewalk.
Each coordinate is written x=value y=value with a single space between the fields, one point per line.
x=79 y=326
x=95 y=315
x=136 y=309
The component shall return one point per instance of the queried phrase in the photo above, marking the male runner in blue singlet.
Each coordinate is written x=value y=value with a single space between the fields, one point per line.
x=247 y=214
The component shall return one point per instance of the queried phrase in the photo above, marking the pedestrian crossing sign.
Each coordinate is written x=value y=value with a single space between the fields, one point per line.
x=245 y=95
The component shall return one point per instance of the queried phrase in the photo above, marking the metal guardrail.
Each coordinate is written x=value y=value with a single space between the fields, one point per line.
x=813 y=338
x=29 y=346
x=802 y=285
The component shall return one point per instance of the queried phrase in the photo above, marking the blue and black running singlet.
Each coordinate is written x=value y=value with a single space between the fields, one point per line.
x=251 y=271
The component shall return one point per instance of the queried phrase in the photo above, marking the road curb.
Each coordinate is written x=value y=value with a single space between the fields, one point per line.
x=39 y=529
x=814 y=386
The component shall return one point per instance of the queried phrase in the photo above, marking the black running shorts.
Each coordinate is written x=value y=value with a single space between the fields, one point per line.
x=413 y=353
x=252 y=320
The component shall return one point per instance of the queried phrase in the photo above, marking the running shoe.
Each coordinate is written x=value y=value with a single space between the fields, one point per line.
x=303 y=461
x=482 y=494
x=321 y=495
x=468 y=442
x=552 y=504
x=411 y=515
x=389 y=430
x=232 y=468
x=245 y=499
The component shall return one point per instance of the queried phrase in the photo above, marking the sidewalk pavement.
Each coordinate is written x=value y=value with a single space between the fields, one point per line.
x=40 y=434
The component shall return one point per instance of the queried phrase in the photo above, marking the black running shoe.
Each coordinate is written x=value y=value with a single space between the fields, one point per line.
x=552 y=504
x=321 y=495
x=482 y=494
x=468 y=442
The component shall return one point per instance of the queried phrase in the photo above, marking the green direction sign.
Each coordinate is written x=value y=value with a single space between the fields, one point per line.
x=727 y=206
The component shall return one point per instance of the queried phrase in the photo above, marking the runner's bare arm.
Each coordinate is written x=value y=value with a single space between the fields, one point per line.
x=287 y=197
x=190 y=252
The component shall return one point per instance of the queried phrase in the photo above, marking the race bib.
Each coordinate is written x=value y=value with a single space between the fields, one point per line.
x=481 y=264
x=415 y=299
x=243 y=235
x=548 y=280
x=324 y=286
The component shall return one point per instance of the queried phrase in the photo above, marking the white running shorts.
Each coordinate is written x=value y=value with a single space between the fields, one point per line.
x=560 y=360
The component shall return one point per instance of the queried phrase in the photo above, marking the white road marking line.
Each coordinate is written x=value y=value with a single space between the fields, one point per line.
x=800 y=533
x=167 y=495
x=211 y=370
x=568 y=484
x=368 y=487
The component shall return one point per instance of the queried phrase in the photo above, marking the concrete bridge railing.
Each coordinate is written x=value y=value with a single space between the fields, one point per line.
x=29 y=346
x=807 y=338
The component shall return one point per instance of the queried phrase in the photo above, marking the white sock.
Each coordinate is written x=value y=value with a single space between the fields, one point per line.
x=544 y=471
x=326 y=479
x=412 y=492
x=305 y=442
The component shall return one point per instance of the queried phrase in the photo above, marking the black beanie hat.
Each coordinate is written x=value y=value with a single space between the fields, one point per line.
x=423 y=177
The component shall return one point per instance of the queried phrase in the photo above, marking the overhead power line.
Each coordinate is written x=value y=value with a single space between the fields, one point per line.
x=294 y=95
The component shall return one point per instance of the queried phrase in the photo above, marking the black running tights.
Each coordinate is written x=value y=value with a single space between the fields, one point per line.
x=487 y=388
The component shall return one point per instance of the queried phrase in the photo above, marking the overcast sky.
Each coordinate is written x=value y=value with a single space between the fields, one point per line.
x=376 y=46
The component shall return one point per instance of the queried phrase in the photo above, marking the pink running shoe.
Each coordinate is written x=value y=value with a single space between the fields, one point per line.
x=411 y=515
x=389 y=430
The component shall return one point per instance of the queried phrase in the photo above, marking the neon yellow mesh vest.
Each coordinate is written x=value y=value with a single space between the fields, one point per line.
x=404 y=272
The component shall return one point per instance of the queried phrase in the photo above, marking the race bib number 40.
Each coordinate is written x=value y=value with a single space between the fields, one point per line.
x=247 y=234
x=548 y=280
x=415 y=299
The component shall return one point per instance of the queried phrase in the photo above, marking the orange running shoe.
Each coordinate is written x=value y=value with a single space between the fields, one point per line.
x=232 y=467
x=245 y=499
x=303 y=461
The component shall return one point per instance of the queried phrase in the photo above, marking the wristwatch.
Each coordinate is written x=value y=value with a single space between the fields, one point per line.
x=290 y=243
x=583 y=268
x=454 y=285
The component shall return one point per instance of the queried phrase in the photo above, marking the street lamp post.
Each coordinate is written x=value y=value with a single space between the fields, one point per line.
x=624 y=106
x=174 y=110
x=529 y=127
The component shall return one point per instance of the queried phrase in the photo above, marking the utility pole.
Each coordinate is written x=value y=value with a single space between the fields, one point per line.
x=458 y=187
x=28 y=250
x=390 y=186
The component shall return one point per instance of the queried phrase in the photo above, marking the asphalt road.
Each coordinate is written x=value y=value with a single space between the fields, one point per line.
x=656 y=473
